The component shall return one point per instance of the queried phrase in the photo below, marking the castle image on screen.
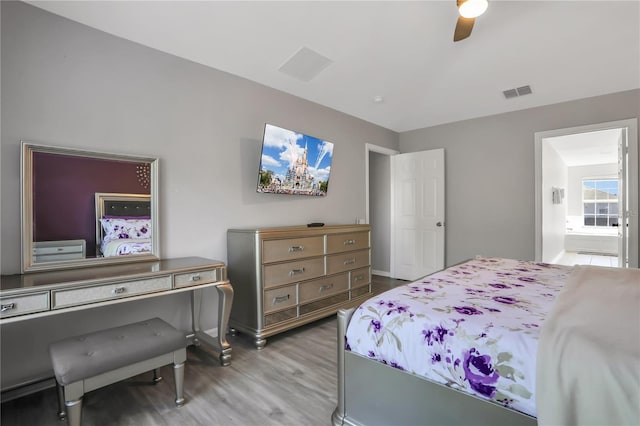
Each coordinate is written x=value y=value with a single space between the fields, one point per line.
x=294 y=163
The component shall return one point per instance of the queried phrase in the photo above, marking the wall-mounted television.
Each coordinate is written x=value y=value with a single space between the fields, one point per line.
x=294 y=163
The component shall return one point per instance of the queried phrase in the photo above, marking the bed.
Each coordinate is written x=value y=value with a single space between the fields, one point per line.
x=460 y=346
x=123 y=224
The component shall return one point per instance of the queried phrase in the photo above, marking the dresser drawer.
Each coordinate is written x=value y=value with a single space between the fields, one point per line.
x=56 y=257
x=346 y=261
x=360 y=277
x=279 y=298
x=292 y=248
x=361 y=291
x=280 y=316
x=339 y=243
x=327 y=302
x=46 y=251
x=100 y=293
x=289 y=272
x=317 y=289
x=24 y=304
x=195 y=278
x=37 y=251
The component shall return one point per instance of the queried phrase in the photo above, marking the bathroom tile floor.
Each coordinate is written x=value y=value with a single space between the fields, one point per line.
x=571 y=258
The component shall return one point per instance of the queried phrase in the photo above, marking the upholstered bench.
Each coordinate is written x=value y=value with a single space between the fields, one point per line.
x=91 y=361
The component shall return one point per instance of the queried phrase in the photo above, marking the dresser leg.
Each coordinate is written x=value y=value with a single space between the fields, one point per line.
x=260 y=342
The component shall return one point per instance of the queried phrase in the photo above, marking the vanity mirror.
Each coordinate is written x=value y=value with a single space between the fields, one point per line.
x=82 y=208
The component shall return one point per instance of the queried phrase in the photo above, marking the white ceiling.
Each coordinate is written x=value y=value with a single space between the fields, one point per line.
x=590 y=148
x=400 y=51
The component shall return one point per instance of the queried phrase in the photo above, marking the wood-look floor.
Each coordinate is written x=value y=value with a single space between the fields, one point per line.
x=292 y=381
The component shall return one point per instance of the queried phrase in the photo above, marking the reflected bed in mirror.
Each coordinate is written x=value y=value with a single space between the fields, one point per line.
x=77 y=204
x=123 y=224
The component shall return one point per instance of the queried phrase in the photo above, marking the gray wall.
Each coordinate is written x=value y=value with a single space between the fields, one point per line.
x=67 y=84
x=554 y=216
x=490 y=171
x=380 y=211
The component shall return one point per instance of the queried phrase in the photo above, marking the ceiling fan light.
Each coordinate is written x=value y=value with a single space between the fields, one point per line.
x=473 y=8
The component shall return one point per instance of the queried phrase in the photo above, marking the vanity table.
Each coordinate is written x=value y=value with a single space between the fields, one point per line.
x=36 y=295
x=78 y=257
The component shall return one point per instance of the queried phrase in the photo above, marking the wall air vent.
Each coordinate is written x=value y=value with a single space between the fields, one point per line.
x=520 y=91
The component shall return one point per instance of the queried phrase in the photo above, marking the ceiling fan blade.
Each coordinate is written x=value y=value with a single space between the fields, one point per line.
x=463 y=28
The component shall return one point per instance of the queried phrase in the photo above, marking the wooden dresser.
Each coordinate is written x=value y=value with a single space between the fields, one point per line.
x=288 y=276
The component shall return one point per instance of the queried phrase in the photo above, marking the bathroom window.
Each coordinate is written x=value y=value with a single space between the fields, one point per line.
x=600 y=202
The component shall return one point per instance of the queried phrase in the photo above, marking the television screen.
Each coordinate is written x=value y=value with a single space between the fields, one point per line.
x=294 y=163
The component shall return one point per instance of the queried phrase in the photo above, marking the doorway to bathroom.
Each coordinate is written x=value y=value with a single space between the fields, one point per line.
x=587 y=195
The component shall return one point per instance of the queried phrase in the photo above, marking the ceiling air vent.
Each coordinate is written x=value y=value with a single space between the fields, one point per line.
x=524 y=90
x=305 y=64
x=520 y=91
x=511 y=93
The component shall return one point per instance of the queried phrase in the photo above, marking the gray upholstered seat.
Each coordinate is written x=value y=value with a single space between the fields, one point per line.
x=88 y=362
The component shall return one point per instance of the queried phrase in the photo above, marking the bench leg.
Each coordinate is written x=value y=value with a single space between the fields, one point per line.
x=156 y=378
x=178 y=375
x=74 y=412
x=62 y=412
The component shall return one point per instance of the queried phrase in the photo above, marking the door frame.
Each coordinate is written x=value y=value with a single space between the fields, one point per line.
x=632 y=134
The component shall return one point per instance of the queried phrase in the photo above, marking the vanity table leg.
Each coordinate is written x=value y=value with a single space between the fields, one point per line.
x=219 y=342
x=196 y=303
x=225 y=299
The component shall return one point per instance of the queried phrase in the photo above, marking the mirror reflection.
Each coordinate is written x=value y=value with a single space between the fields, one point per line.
x=84 y=208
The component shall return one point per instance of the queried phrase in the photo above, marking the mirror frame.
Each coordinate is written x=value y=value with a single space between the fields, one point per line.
x=26 y=209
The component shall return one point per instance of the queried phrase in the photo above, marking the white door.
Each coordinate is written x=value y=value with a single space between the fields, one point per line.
x=417 y=199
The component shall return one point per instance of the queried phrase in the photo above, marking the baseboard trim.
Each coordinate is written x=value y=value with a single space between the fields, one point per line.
x=27 y=389
x=381 y=273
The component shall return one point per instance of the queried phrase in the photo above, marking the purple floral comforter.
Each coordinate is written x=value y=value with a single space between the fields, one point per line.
x=473 y=327
x=125 y=246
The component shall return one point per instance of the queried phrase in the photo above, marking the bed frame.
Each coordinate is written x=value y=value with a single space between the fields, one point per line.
x=125 y=205
x=371 y=393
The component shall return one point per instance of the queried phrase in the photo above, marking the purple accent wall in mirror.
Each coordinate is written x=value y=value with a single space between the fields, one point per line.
x=63 y=194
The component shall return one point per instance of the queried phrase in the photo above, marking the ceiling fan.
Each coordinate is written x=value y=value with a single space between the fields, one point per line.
x=469 y=10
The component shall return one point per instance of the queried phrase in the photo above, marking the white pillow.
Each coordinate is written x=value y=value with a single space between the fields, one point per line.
x=115 y=229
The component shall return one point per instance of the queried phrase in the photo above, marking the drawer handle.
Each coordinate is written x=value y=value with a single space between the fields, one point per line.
x=119 y=290
x=349 y=242
x=296 y=272
x=349 y=261
x=326 y=287
x=280 y=299
x=359 y=277
x=8 y=307
x=195 y=277
x=293 y=249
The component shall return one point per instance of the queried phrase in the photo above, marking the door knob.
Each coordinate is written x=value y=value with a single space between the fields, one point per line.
x=439 y=224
